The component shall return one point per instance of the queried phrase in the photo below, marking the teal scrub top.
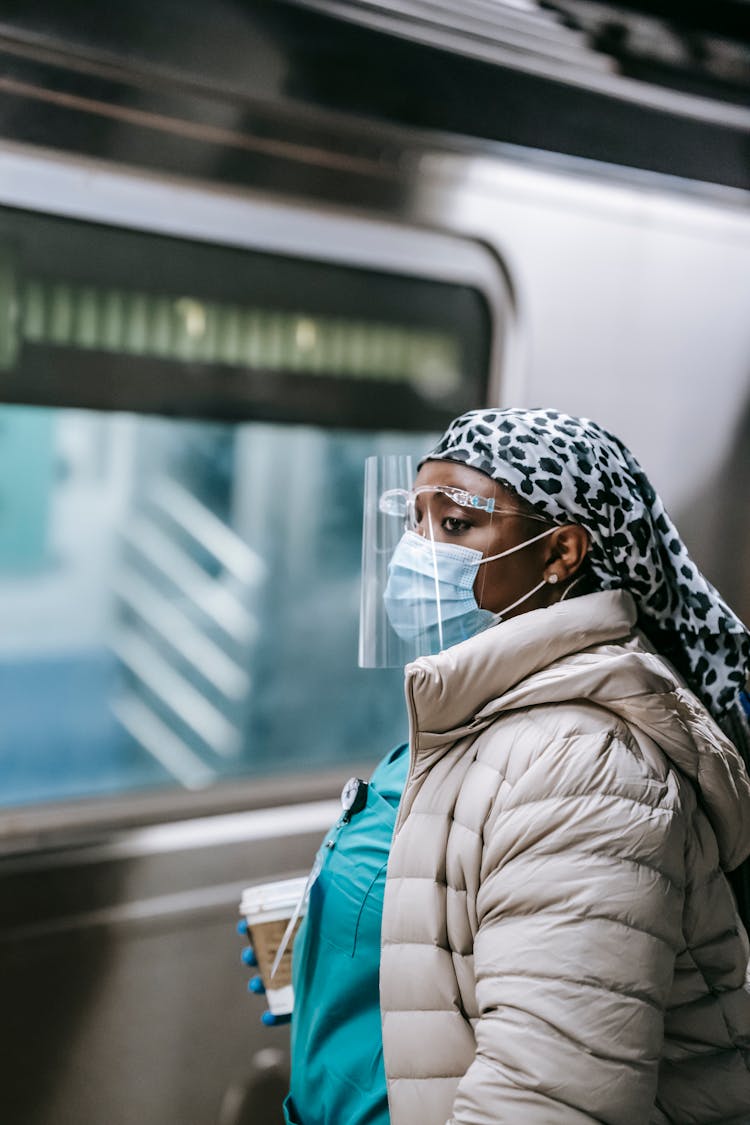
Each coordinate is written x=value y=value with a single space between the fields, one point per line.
x=337 y=1040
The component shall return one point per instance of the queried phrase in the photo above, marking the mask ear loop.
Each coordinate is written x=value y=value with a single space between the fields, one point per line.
x=511 y=551
x=572 y=586
x=519 y=546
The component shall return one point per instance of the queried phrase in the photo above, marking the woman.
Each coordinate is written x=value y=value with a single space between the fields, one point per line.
x=555 y=940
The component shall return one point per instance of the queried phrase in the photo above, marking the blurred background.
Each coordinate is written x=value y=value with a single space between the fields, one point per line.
x=242 y=247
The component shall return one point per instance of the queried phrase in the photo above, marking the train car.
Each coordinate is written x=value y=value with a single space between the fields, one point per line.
x=242 y=248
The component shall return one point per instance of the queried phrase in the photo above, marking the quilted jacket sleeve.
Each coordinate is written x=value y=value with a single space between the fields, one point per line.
x=579 y=919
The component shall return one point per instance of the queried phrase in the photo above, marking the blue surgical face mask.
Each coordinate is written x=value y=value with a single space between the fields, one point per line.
x=429 y=596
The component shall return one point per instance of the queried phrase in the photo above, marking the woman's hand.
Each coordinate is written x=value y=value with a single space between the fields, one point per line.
x=255 y=984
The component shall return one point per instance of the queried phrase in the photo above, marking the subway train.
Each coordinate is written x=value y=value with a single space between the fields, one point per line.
x=243 y=247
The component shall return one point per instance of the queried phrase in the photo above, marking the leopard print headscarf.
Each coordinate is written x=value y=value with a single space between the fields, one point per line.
x=572 y=471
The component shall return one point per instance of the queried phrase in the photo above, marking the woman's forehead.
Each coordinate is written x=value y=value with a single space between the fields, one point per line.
x=457 y=476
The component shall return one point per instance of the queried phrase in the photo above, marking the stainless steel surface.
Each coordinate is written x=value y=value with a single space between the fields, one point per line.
x=120 y=969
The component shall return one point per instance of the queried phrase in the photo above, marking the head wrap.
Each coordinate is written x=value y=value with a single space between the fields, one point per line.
x=570 y=470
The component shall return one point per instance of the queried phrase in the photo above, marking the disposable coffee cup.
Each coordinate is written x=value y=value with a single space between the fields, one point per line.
x=268 y=908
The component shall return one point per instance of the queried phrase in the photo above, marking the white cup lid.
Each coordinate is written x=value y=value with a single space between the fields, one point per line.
x=263 y=898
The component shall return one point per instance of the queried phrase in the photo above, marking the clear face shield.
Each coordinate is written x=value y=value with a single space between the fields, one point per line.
x=422 y=563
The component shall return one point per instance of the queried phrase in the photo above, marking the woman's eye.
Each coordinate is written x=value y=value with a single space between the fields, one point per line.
x=454 y=525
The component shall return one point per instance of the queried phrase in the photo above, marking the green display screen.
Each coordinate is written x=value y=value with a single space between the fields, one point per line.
x=186 y=329
x=111 y=318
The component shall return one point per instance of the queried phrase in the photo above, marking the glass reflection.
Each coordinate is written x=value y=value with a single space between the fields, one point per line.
x=179 y=603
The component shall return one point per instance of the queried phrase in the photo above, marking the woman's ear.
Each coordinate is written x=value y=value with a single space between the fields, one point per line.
x=569 y=546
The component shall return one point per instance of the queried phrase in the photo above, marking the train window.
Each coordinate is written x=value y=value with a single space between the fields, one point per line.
x=179 y=594
x=179 y=602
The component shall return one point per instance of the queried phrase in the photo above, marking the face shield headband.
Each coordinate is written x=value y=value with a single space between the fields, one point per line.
x=417 y=588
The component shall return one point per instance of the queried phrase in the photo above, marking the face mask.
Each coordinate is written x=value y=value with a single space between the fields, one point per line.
x=429 y=595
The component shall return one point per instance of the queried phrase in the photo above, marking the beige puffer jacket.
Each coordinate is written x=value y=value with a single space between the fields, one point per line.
x=559 y=943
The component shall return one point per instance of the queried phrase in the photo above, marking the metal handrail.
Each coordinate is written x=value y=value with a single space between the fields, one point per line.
x=181 y=634
x=212 y=598
x=161 y=742
x=180 y=696
x=208 y=530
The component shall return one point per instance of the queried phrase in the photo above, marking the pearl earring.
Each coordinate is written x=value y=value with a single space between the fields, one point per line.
x=553 y=578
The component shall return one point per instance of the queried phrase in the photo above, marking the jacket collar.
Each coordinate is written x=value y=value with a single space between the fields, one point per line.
x=447 y=693
x=547 y=656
